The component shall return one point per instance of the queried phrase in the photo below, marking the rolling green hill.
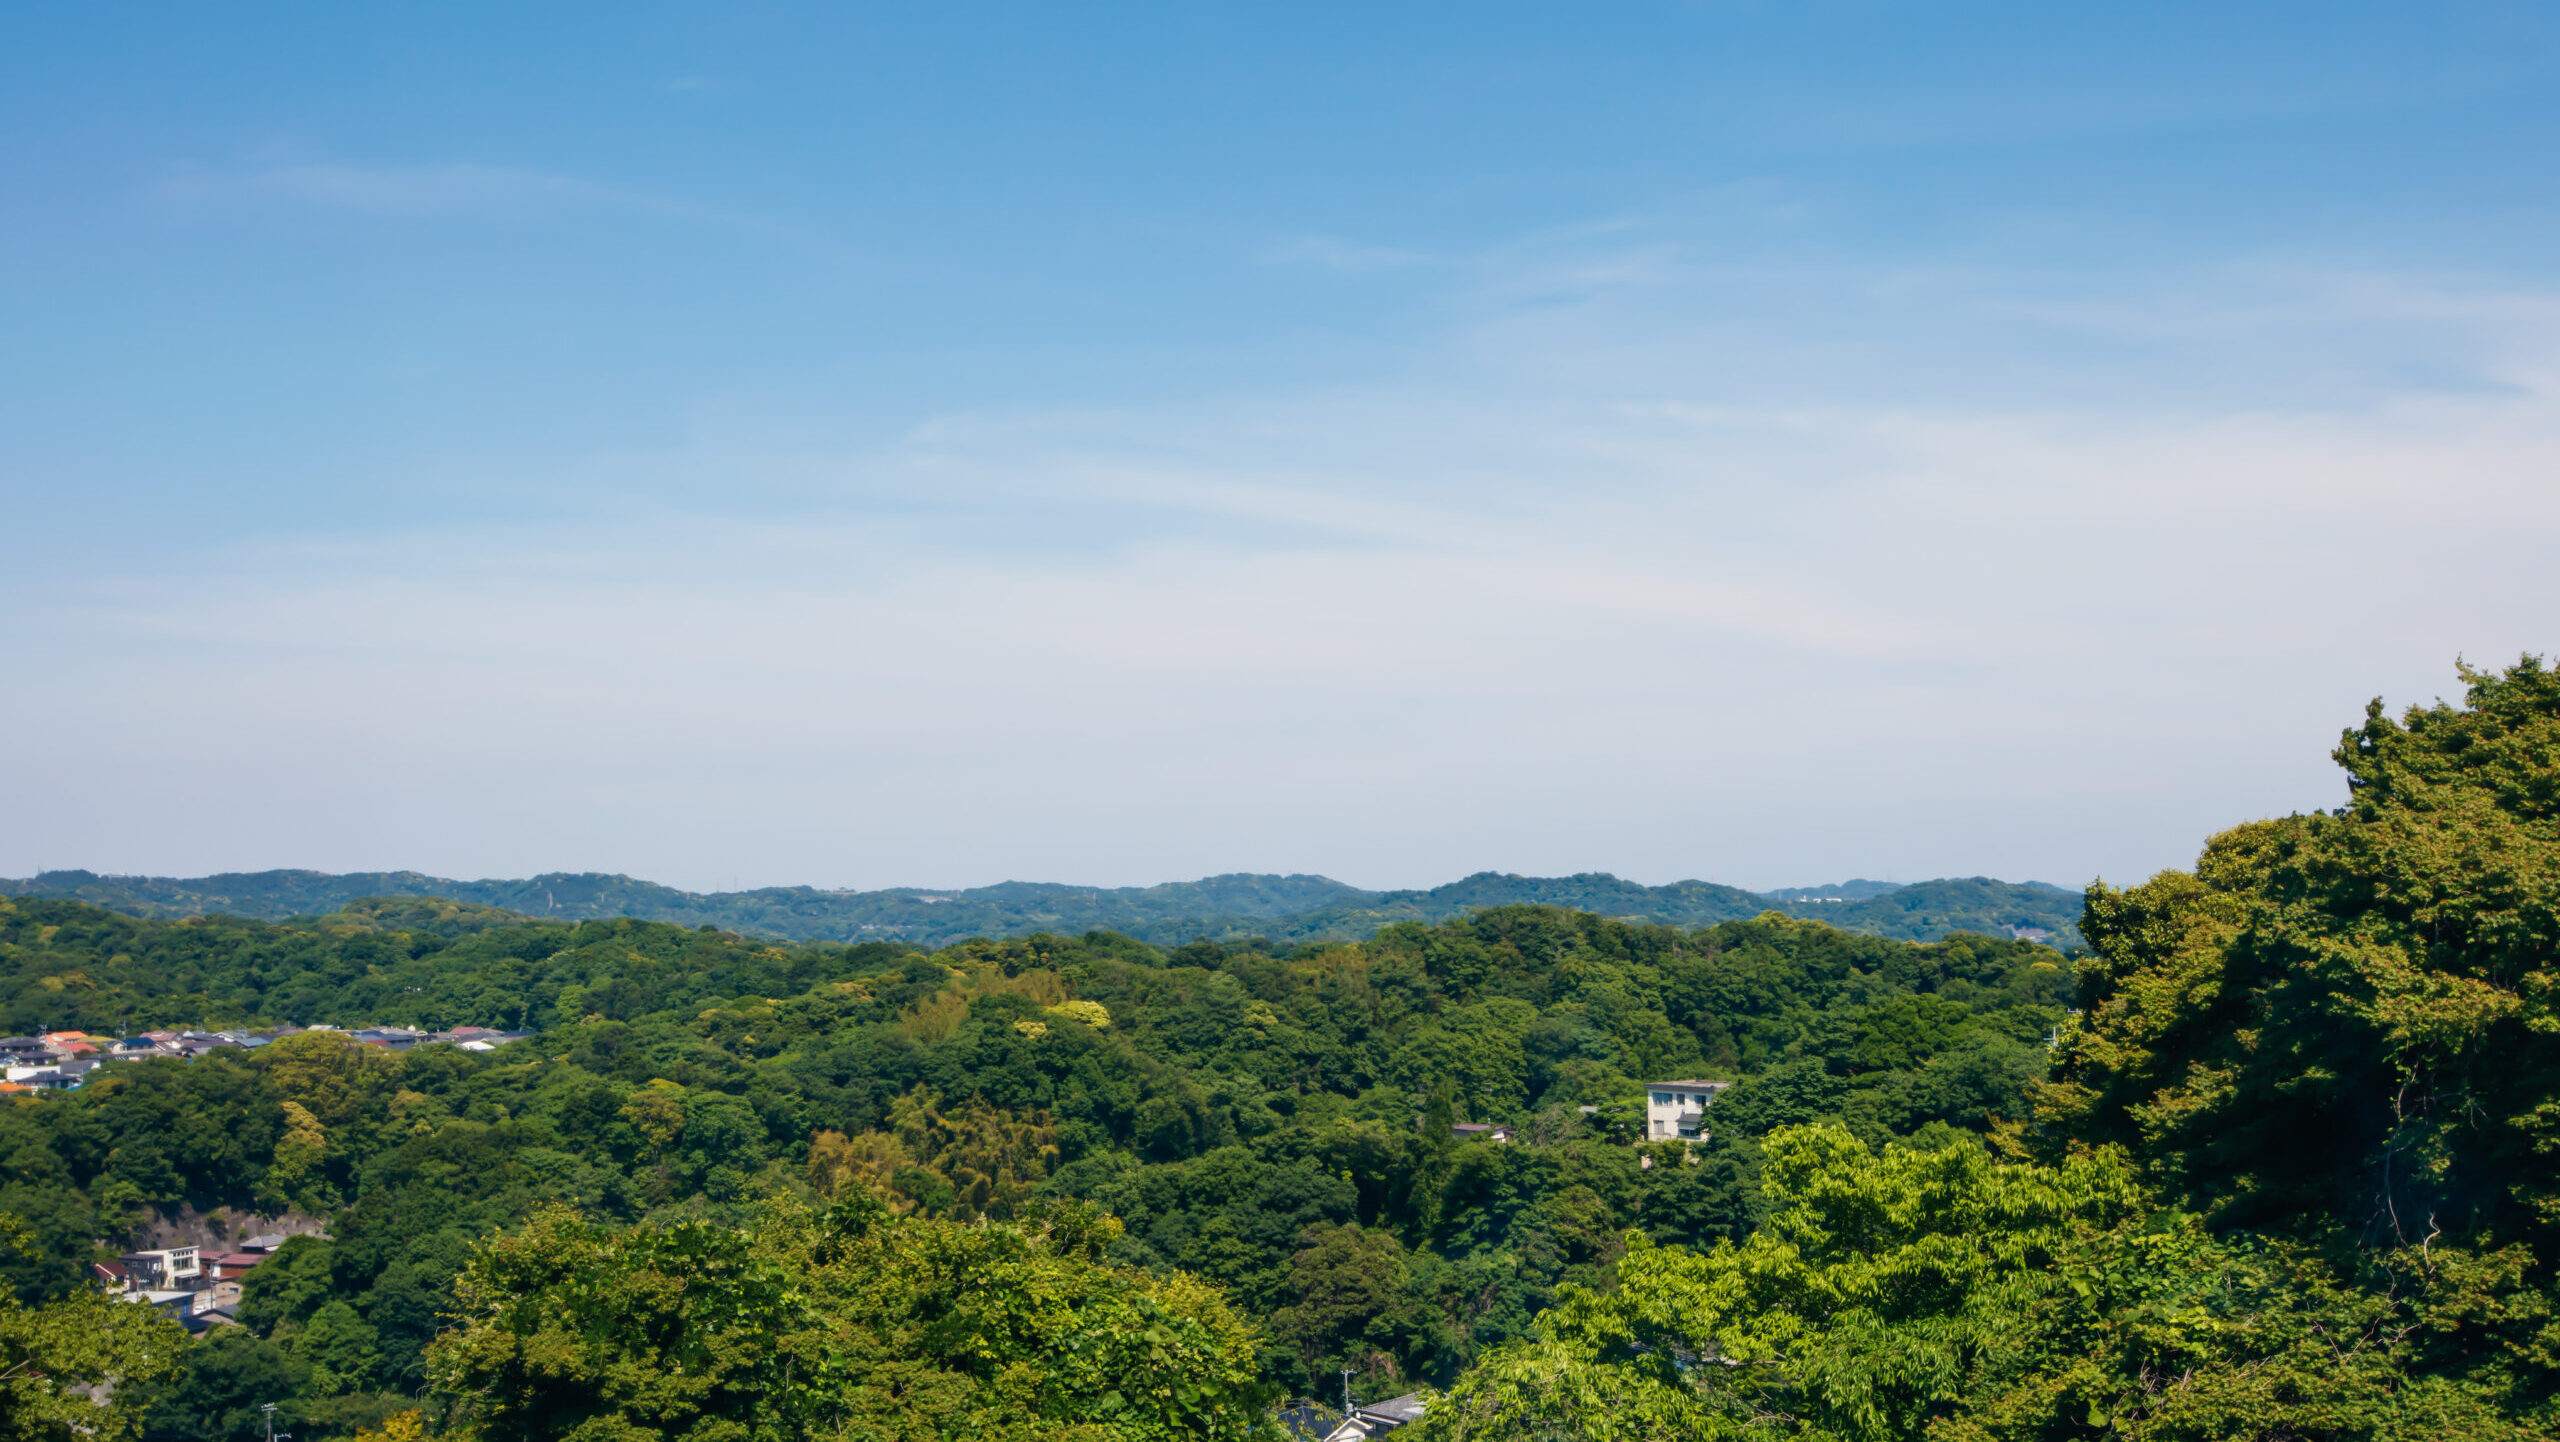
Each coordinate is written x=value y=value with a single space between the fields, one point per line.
x=1245 y=1113
x=1283 y=908
x=1927 y=910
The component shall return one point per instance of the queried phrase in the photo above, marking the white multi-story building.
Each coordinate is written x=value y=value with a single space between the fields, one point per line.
x=1676 y=1110
x=169 y=1269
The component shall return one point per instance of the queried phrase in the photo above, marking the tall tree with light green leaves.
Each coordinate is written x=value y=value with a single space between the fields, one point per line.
x=1941 y=1294
x=846 y=1324
x=63 y=1362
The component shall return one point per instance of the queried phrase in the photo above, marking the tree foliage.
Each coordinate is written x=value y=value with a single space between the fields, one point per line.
x=1941 y=1294
x=1240 y=1107
x=2343 y=1022
x=58 y=1357
x=847 y=1323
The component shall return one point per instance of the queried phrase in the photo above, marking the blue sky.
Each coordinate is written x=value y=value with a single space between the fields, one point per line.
x=941 y=444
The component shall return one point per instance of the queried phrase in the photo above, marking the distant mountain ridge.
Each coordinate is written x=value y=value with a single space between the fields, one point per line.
x=1855 y=890
x=1284 y=908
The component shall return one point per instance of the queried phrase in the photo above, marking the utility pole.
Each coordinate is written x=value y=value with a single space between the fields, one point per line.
x=1346 y=1394
x=269 y=1408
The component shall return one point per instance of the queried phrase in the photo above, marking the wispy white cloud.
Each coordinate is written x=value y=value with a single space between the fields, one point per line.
x=2005 y=453
x=1390 y=636
x=389 y=190
x=1635 y=575
x=1349 y=257
x=392 y=190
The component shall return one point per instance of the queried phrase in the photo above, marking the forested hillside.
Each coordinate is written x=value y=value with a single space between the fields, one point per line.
x=1222 y=908
x=1248 y=1114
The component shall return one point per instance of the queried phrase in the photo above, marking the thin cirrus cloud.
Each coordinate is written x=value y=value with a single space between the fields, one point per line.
x=1348 y=257
x=1483 y=617
x=1761 y=446
x=448 y=188
x=458 y=191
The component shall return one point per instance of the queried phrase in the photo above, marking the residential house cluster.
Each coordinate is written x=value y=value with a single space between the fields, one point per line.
x=469 y=1038
x=197 y=1286
x=59 y=1061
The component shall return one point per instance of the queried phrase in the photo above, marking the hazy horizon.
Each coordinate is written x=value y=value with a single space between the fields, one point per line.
x=831 y=448
x=1807 y=886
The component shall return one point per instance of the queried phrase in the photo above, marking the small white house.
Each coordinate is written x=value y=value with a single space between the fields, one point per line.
x=1676 y=1110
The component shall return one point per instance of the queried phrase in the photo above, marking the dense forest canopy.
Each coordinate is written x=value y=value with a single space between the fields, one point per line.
x=1246 y=1112
x=2275 y=1160
x=1225 y=908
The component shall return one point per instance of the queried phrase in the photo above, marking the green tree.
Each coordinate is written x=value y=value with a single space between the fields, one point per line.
x=658 y=1111
x=1938 y=1293
x=1355 y=1309
x=2339 y=1027
x=2345 y=1019
x=850 y=1323
x=990 y=1158
x=289 y=1286
x=1477 y=1051
x=227 y=1377
x=341 y=1347
x=54 y=1354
